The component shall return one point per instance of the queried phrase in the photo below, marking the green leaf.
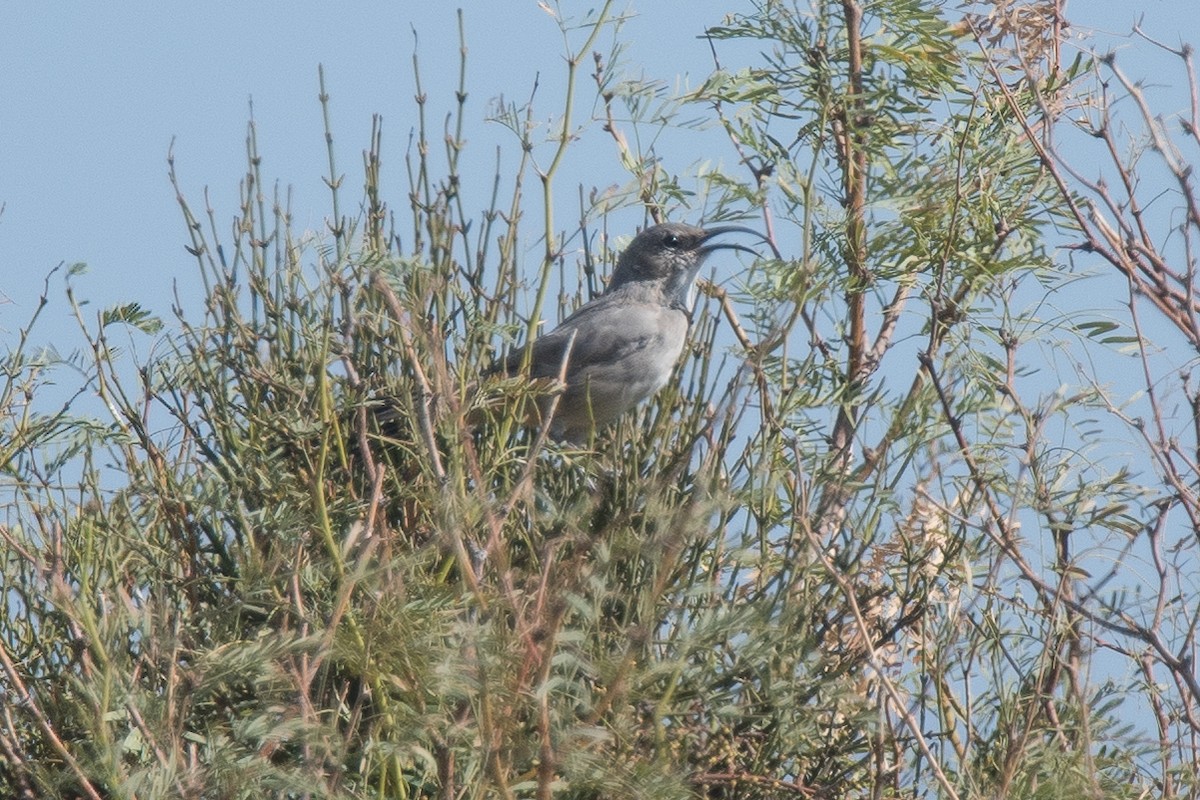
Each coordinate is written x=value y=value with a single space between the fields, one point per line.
x=132 y=314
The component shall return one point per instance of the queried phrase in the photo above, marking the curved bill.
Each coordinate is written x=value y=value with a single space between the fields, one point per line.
x=709 y=233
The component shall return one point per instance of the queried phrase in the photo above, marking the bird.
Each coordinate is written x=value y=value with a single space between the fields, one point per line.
x=619 y=349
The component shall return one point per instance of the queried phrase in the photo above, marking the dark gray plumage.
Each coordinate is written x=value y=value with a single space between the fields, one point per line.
x=622 y=347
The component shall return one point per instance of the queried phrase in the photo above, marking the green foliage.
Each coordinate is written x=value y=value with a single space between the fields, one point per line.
x=819 y=571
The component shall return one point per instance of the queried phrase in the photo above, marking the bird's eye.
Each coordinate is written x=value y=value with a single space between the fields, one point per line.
x=671 y=241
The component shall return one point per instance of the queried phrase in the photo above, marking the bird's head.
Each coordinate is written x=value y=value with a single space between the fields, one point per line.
x=668 y=257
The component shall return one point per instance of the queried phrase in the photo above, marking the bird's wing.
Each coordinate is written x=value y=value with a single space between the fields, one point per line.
x=597 y=333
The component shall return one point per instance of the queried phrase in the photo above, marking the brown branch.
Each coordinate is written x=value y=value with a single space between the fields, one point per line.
x=851 y=142
x=24 y=698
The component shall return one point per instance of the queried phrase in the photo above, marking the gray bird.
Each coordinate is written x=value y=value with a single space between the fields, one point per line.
x=621 y=348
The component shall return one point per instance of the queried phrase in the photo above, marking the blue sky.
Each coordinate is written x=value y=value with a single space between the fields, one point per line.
x=92 y=95
x=91 y=99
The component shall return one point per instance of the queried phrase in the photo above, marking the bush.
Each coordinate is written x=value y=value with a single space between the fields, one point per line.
x=847 y=559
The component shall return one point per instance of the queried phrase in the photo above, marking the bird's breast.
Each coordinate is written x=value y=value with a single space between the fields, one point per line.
x=661 y=352
x=620 y=358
